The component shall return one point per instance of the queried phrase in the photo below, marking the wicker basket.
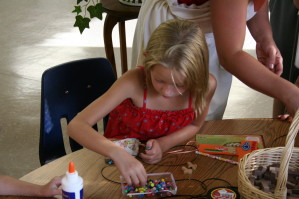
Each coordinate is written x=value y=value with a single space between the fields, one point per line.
x=287 y=157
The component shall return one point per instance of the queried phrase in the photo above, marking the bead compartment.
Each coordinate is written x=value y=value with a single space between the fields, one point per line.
x=158 y=184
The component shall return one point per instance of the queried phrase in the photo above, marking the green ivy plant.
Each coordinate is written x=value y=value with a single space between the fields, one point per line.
x=91 y=9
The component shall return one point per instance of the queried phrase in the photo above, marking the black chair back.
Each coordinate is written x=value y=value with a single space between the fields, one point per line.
x=66 y=90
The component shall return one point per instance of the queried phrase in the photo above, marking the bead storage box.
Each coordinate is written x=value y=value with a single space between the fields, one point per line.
x=158 y=184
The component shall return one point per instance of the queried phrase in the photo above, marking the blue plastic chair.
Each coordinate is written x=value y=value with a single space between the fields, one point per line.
x=67 y=89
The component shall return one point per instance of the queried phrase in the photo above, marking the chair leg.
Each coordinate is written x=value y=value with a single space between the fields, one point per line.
x=109 y=24
x=123 y=46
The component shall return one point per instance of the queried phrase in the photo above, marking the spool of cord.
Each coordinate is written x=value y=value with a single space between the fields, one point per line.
x=223 y=192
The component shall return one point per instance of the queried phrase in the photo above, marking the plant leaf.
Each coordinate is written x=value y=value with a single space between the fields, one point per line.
x=79 y=1
x=81 y=23
x=77 y=9
x=96 y=11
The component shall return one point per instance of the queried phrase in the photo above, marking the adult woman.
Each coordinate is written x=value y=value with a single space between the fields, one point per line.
x=224 y=23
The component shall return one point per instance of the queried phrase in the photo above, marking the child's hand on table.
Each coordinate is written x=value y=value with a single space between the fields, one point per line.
x=153 y=152
x=52 y=188
x=12 y=186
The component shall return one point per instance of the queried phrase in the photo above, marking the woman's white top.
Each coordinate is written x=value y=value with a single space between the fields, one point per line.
x=154 y=12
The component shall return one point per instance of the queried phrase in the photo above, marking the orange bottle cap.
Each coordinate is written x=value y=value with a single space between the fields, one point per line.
x=71 y=167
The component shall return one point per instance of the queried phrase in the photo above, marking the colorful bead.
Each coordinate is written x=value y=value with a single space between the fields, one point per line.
x=150 y=189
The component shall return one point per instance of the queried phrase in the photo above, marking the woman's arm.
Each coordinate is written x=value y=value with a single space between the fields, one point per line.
x=267 y=52
x=229 y=26
x=162 y=144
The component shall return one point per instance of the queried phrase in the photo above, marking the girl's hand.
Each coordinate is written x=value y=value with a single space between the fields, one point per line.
x=269 y=55
x=52 y=188
x=153 y=152
x=130 y=168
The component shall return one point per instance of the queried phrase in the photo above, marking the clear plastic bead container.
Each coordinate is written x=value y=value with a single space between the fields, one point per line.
x=158 y=184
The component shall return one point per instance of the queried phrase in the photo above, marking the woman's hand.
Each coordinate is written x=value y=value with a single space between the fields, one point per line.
x=285 y=117
x=130 y=168
x=269 y=55
x=153 y=152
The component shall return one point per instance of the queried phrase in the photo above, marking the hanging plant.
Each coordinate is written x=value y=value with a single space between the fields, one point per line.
x=91 y=9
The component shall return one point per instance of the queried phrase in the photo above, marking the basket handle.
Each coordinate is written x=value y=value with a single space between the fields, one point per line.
x=286 y=156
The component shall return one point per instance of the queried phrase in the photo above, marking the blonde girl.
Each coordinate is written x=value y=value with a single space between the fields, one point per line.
x=164 y=102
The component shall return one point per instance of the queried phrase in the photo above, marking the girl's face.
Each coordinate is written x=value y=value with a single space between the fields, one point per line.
x=169 y=83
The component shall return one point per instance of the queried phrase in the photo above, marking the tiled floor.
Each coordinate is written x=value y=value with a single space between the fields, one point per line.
x=36 y=35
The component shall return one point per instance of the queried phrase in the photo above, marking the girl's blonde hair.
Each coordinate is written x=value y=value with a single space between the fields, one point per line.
x=181 y=46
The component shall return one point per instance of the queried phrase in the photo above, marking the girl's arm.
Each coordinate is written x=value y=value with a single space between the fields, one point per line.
x=156 y=147
x=229 y=25
x=80 y=128
x=12 y=186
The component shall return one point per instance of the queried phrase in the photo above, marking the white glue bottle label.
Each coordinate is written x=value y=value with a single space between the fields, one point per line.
x=72 y=184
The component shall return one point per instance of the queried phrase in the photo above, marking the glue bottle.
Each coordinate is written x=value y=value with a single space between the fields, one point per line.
x=72 y=184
